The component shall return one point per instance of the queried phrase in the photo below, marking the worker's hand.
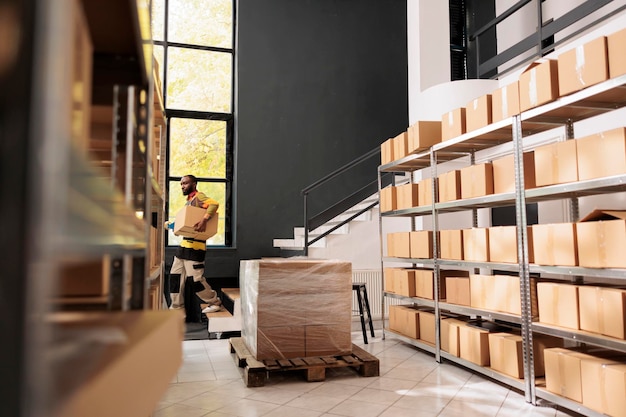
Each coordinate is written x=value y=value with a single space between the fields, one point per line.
x=166 y=225
x=201 y=225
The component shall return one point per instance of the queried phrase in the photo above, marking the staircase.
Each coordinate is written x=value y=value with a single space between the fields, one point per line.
x=226 y=322
x=341 y=225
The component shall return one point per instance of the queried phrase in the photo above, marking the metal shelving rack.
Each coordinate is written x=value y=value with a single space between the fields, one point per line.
x=73 y=211
x=592 y=101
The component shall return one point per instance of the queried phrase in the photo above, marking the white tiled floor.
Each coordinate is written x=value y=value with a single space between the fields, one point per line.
x=411 y=383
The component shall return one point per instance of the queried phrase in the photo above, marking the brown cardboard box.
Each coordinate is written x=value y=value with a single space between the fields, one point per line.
x=458 y=290
x=453 y=124
x=481 y=288
x=615 y=390
x=505 y=102
x=406 y=196
x=555 y=244
x=558 y=304
x=477 y=180
x=601 y=239
x=498 y=293
x=451 y=244
x=427 y=326
x=389 y=280
x=505 y=354
x=538 y=84
x=603 y=310
x=404 y=320
x=450 y=186
x=602 y=154
x=474 y=345
x=555 y=163
x=86 y=279
x=141 y=341
x=387 y=154
x=503 y=244
x=504 y=173
x=401 y=145
x=476 y=244
x=388 y=198
x=404 y=282
x=425 y=191
x=188 y=216
x=583 y=66
x=311 y=292
x=452 y=345
x=424 y=282
x=594 y=388
x=478 y=113
x=563 y=374
x=424 y=134
x=398 y=244
x=616 y=43
x=421 y=243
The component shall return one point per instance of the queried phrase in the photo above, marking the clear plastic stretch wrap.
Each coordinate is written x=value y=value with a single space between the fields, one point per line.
x=296 y=307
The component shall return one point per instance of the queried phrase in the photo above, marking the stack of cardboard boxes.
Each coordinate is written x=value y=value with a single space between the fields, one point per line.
x=296 y=307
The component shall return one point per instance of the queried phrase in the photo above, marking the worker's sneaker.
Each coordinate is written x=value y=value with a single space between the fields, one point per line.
x=211 y=309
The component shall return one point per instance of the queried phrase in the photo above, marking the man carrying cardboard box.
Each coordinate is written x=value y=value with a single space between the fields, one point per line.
x=189 y=259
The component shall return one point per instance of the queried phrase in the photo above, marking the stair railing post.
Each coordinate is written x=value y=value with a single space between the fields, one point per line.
x=306 y=225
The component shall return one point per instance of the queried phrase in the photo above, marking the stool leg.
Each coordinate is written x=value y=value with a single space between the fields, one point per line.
x=367 y=308
x=360 y=300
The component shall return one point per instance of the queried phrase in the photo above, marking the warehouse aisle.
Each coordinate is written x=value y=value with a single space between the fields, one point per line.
x=209 y=384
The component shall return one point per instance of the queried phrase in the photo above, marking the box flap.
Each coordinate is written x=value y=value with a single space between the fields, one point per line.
x=600 y=214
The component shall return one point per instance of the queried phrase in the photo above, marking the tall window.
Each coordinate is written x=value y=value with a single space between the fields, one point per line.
x=194 y=47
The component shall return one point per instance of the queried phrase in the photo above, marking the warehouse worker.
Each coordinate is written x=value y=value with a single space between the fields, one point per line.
x=188 y=262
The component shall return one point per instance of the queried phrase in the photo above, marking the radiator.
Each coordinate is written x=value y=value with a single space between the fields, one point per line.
x=372 y=279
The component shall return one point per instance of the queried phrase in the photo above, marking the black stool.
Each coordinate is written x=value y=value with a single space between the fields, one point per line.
x=361 y=296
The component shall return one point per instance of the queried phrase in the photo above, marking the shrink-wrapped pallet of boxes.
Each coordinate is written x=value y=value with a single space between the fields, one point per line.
x=296 y=307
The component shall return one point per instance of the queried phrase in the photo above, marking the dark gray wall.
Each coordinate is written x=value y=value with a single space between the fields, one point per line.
x=320 y=83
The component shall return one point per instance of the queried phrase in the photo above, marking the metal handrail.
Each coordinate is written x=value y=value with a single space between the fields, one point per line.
x=307 y=190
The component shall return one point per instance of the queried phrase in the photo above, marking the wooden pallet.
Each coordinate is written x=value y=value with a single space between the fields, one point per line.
x=257 y=372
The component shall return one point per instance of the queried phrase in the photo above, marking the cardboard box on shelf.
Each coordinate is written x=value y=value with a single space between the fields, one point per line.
x=594 y=388
x=423 y=134
x=505 y=354
x=404 y=320
x=388 y=198
x=603 y=310
x=451 y=336
x=504 y=173
x=583 y=66
x=474 y=345
x=458 y=290
x=401 y=145
x=407 y=195
x=538 y=84
x=453 y=124
x=84 y=279
x=451 y=244
x=616 y=43
x=478 y=113
x=499 y=293
x=421 y=242
x=505 y=102
x=425 y=192
x=427 y=326
x=476 y=244
x=449 y=184
x=477 y=180
x=558 y=304
x=188 y=216
x=387 y=154
x=601 y=238
x=389 y=275
x=398 y=244
x=404 y=282
x=614 y=390
x=424 y=282
x=555 y=244
x=555 y=163
x=503 y=244
x=602 y=154
x=562 y=371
